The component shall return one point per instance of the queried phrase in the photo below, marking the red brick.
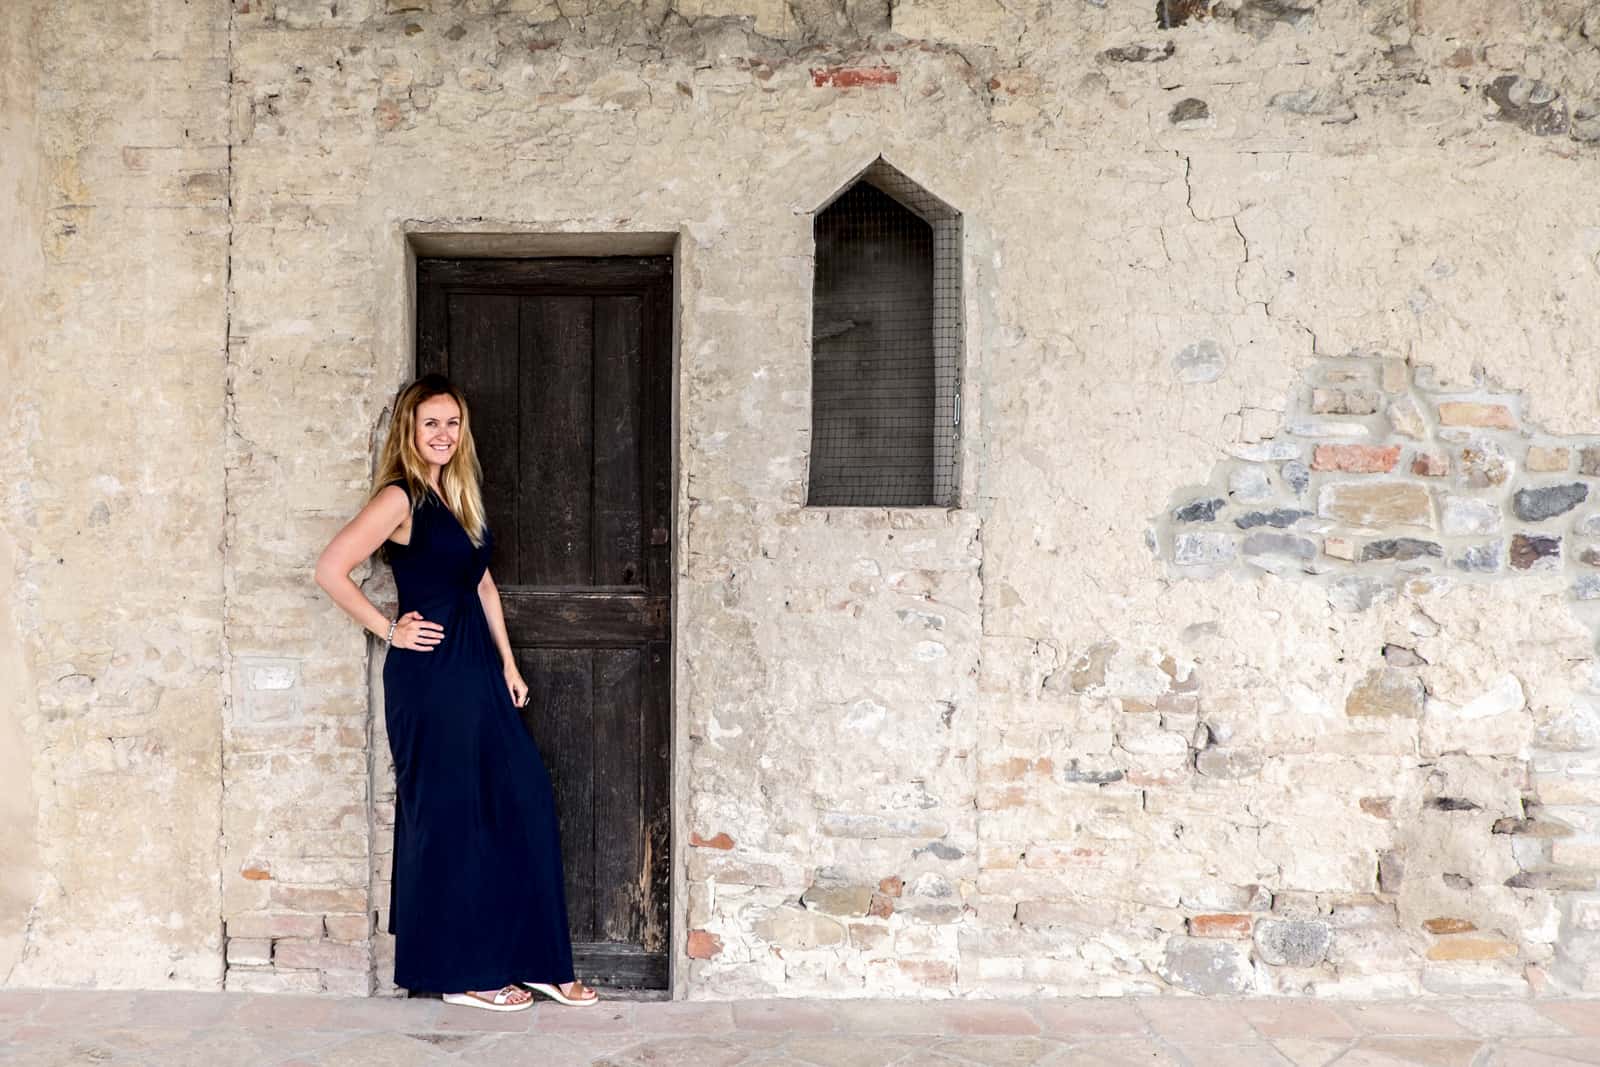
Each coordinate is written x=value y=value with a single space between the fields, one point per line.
x=722 y=841
x=256 y=873
x=881 y=907
x=891 y=886
x=1447 y=925
x=1355 y=459
x=703 y=945
x=1219 y=925
x=852 y=77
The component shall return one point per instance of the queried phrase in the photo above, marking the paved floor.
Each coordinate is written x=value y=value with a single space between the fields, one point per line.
x=222 y=1029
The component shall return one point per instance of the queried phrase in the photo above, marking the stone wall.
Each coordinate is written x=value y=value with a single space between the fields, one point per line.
x=1273 y=317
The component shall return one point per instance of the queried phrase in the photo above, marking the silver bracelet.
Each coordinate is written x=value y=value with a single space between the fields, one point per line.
x=390 y=639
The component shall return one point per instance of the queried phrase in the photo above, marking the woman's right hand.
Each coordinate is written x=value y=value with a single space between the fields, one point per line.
x=416 y=633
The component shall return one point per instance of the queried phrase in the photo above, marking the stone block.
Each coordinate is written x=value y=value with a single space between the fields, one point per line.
x=348 y=927
x=1207 y=966
x=1546 y=502
x=1547 y=460
x=1430 y=464
x=1589 y=461
x=1228 y=763
x=1376 y=504
x=1482 y=559
x=797 y=928
x=1535 y=552
x=1387 y=691
x=844 y=900
x=1405 y=418
x=1468 y=413
x=1483 y=464
x=257 y=925
x=1401 y=549
x=305 y=954
x=1292 y=942
x=1472 y=948
x=1203 y=549
x=249 y=951
x=1279 y=518
x=1465 y=516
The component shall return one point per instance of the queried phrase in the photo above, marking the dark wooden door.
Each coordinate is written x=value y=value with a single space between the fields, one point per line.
x=566 y=367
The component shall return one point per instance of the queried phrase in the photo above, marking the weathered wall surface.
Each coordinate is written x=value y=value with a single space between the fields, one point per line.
x=113 y=500
x=20 y=207
x=1070 y=737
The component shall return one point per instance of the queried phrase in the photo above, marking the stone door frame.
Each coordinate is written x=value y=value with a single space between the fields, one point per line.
x=394 y=333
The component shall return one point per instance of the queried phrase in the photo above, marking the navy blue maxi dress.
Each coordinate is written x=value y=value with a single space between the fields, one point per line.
x=477 y=900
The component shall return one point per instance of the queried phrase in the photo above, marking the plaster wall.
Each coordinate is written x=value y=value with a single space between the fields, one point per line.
x=1022 y=745
x=114 y=322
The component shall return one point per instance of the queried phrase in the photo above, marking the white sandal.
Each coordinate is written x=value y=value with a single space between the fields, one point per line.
x=500 y=1002
x=555 y=994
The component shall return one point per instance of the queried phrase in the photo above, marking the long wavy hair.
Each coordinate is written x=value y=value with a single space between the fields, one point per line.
x=460 y=482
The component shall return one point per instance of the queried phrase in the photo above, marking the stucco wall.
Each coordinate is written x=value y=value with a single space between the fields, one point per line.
x=1025 y=745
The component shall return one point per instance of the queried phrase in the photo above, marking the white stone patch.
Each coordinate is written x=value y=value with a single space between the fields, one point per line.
x=272 y=674
x=928 y=651
x=1199 y=363
x=865 y=715
x=1303 y=700
x=1327 y=428
x=715 y=731
x=1265 y=451
x=1464 y=516
x=1249 y=483
x=1505 y=695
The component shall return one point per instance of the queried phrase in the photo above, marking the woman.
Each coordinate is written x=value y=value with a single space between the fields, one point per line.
x=476 y=900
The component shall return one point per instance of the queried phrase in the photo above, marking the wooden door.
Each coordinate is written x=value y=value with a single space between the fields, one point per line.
x=566 y=367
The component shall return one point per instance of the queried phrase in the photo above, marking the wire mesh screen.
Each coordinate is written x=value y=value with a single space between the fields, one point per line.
x=884 y=339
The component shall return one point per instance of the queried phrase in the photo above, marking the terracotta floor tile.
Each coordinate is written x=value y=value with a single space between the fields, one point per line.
x=1197 y=1020
x=988 y=1017
x=1089 y=1018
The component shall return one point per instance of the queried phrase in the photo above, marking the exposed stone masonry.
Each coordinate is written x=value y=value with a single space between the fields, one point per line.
x=1387 y=486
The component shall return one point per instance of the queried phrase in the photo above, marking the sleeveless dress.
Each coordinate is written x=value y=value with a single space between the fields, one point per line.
x=477 y=898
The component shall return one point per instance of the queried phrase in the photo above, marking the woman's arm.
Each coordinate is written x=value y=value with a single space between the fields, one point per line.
x=361 y=537
x=489 y=594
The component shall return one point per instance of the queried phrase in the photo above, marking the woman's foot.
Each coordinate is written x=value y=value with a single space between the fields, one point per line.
x=507 y=998
x=573 y=993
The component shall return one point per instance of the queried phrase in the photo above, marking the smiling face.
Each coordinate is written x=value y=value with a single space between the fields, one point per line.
x=438 y=432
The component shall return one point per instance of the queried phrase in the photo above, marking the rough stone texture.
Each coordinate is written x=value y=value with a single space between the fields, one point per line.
x=1059 y=753
x=1546 y=502
x=1293 y=942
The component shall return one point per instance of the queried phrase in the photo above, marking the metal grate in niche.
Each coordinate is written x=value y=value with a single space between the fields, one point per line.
x=886 y=330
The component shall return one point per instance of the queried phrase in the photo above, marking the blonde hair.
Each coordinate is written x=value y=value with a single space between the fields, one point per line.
x=459 y=481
